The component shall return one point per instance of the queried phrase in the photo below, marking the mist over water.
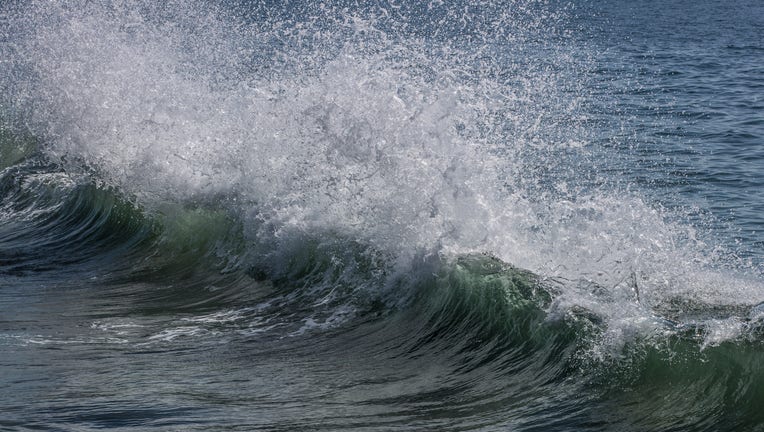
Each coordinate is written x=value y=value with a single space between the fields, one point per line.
x=479 y=199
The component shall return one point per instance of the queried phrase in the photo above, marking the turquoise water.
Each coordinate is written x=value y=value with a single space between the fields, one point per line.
x=520 y=216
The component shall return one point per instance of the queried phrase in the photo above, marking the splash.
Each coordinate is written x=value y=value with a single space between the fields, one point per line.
x=457 y=133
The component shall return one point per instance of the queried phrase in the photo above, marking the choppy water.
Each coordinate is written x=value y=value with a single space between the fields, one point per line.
x=492 y=216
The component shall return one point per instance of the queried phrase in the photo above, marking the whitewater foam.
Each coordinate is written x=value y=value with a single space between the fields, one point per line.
x=344 y=126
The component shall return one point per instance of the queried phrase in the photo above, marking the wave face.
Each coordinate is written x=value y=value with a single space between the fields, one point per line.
x=441 y=216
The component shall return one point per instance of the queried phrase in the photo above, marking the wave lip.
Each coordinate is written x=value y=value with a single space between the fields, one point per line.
x=51 y=222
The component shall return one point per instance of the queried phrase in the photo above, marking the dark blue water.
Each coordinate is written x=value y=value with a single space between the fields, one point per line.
x=685 y=80
x=498 y=216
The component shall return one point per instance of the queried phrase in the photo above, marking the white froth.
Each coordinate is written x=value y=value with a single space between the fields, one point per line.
x=406 y=146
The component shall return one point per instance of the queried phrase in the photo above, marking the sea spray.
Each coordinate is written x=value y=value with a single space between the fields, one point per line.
x=410 y=138
x=422 y=216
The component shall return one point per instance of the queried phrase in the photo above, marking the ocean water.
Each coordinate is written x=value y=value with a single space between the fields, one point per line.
x=493 y=216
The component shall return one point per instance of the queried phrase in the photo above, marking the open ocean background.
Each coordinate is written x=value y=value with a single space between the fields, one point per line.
x=472 y=215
